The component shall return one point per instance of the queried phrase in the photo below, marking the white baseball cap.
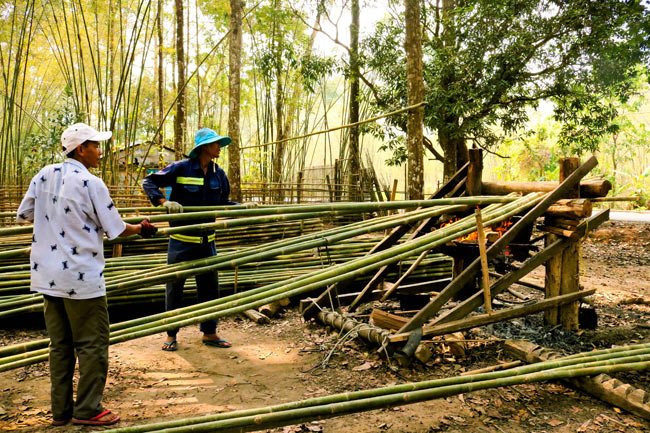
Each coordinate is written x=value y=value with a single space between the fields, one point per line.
x=79 y=133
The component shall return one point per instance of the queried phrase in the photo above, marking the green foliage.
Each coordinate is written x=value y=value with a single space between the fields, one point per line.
x=531 y=157
x=486 y=62
x=392 y=141
x=44 y=147
x=585 y=118
x=218 y=10
x=623 y=149
x=314 y=68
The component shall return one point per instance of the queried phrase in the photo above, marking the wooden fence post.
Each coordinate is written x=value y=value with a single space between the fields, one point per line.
x=570 y=281
x=563 y=271
x=299 y=186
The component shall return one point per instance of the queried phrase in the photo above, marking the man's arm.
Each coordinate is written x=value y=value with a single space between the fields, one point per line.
x=25 y=212
x=144 y=229
x=160 y=179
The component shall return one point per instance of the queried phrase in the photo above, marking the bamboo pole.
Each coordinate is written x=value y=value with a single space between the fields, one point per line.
x=358 y=401
x=434 y=306
x=183 y=270
x=322 y=278
x=239 y=302
x=603 y=386
x=493 y=317
x=266 y=214
x=257 y=253
x=405 y=275
x=485 y=271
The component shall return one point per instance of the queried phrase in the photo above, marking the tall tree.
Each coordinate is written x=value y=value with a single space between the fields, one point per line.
x=488 y=61
x=354 y=166
x=278 y=47
x=415 y=80
x=180 y=117
x=160 y=74
x=286 y=72
x=14 y=61
x=234 y=157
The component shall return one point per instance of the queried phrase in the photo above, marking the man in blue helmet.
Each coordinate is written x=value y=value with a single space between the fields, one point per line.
x=195 y=181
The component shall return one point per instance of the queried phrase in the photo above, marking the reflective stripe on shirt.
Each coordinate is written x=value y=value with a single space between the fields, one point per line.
x=189 y=180
x=193 y=239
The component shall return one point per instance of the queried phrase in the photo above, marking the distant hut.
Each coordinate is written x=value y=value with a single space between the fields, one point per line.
x=134 y=161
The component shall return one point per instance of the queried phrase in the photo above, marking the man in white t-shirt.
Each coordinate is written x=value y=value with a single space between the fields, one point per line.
x=71 y=210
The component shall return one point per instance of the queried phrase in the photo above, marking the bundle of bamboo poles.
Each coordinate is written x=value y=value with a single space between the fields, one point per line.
x=11 y=356
x=14 y=249
x=624 y=358
x=16 y=299
x=161 y=274
x=241 y=215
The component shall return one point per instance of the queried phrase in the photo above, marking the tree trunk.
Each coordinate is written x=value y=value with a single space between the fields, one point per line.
x=234 y=170
x=160 y=75
x=455 y=151
x=415 y=81
x=179 y=119
x=451 y=142
x=279 y=148
x=354 y=166
x=278 y=155
x=197 y=60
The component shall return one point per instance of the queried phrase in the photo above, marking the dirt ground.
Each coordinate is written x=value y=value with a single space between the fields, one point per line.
x=292 y=360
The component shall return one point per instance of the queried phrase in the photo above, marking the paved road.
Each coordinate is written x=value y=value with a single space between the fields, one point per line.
x=631 y=216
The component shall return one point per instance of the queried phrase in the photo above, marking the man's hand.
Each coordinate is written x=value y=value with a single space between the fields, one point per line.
x=173 y=206
x=147 y=230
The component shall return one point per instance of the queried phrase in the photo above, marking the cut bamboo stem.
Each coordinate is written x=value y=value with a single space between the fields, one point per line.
x=486 y=319
x=485 y=271
x=359 y=401
x=237 y=303
x=404 y=276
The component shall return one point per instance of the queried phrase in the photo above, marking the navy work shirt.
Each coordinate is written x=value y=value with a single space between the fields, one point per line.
x=190 y=186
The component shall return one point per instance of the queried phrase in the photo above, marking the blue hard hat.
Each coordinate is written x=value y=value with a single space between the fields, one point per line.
x=207 y=136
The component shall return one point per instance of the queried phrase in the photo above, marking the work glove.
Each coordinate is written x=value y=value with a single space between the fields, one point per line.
x=250 y=205
x=173 y=206
x=147 y=230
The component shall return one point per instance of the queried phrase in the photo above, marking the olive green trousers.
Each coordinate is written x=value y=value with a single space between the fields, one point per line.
x=78 y=328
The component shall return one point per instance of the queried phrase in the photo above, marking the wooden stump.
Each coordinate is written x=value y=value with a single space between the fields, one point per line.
x=563 y=271
x=552 y=281
x=570 y=283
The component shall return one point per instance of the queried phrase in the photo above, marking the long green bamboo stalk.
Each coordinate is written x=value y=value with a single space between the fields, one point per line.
x=9 y=305
x=239 y=302
x=257 y=253
x=364 y=264
x=187 y=269
x=338 y=404
x=265 y=214
x=296 y=416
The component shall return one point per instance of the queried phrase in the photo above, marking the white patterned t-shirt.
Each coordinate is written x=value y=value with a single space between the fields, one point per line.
x=71 y=210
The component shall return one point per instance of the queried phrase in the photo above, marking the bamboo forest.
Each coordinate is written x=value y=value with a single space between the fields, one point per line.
x=342 y=216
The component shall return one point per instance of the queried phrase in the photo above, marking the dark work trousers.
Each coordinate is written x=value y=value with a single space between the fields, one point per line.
x=207 y=285
x=77 y=328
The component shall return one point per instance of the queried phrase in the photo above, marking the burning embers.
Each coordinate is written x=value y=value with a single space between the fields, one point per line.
x=491 y=234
